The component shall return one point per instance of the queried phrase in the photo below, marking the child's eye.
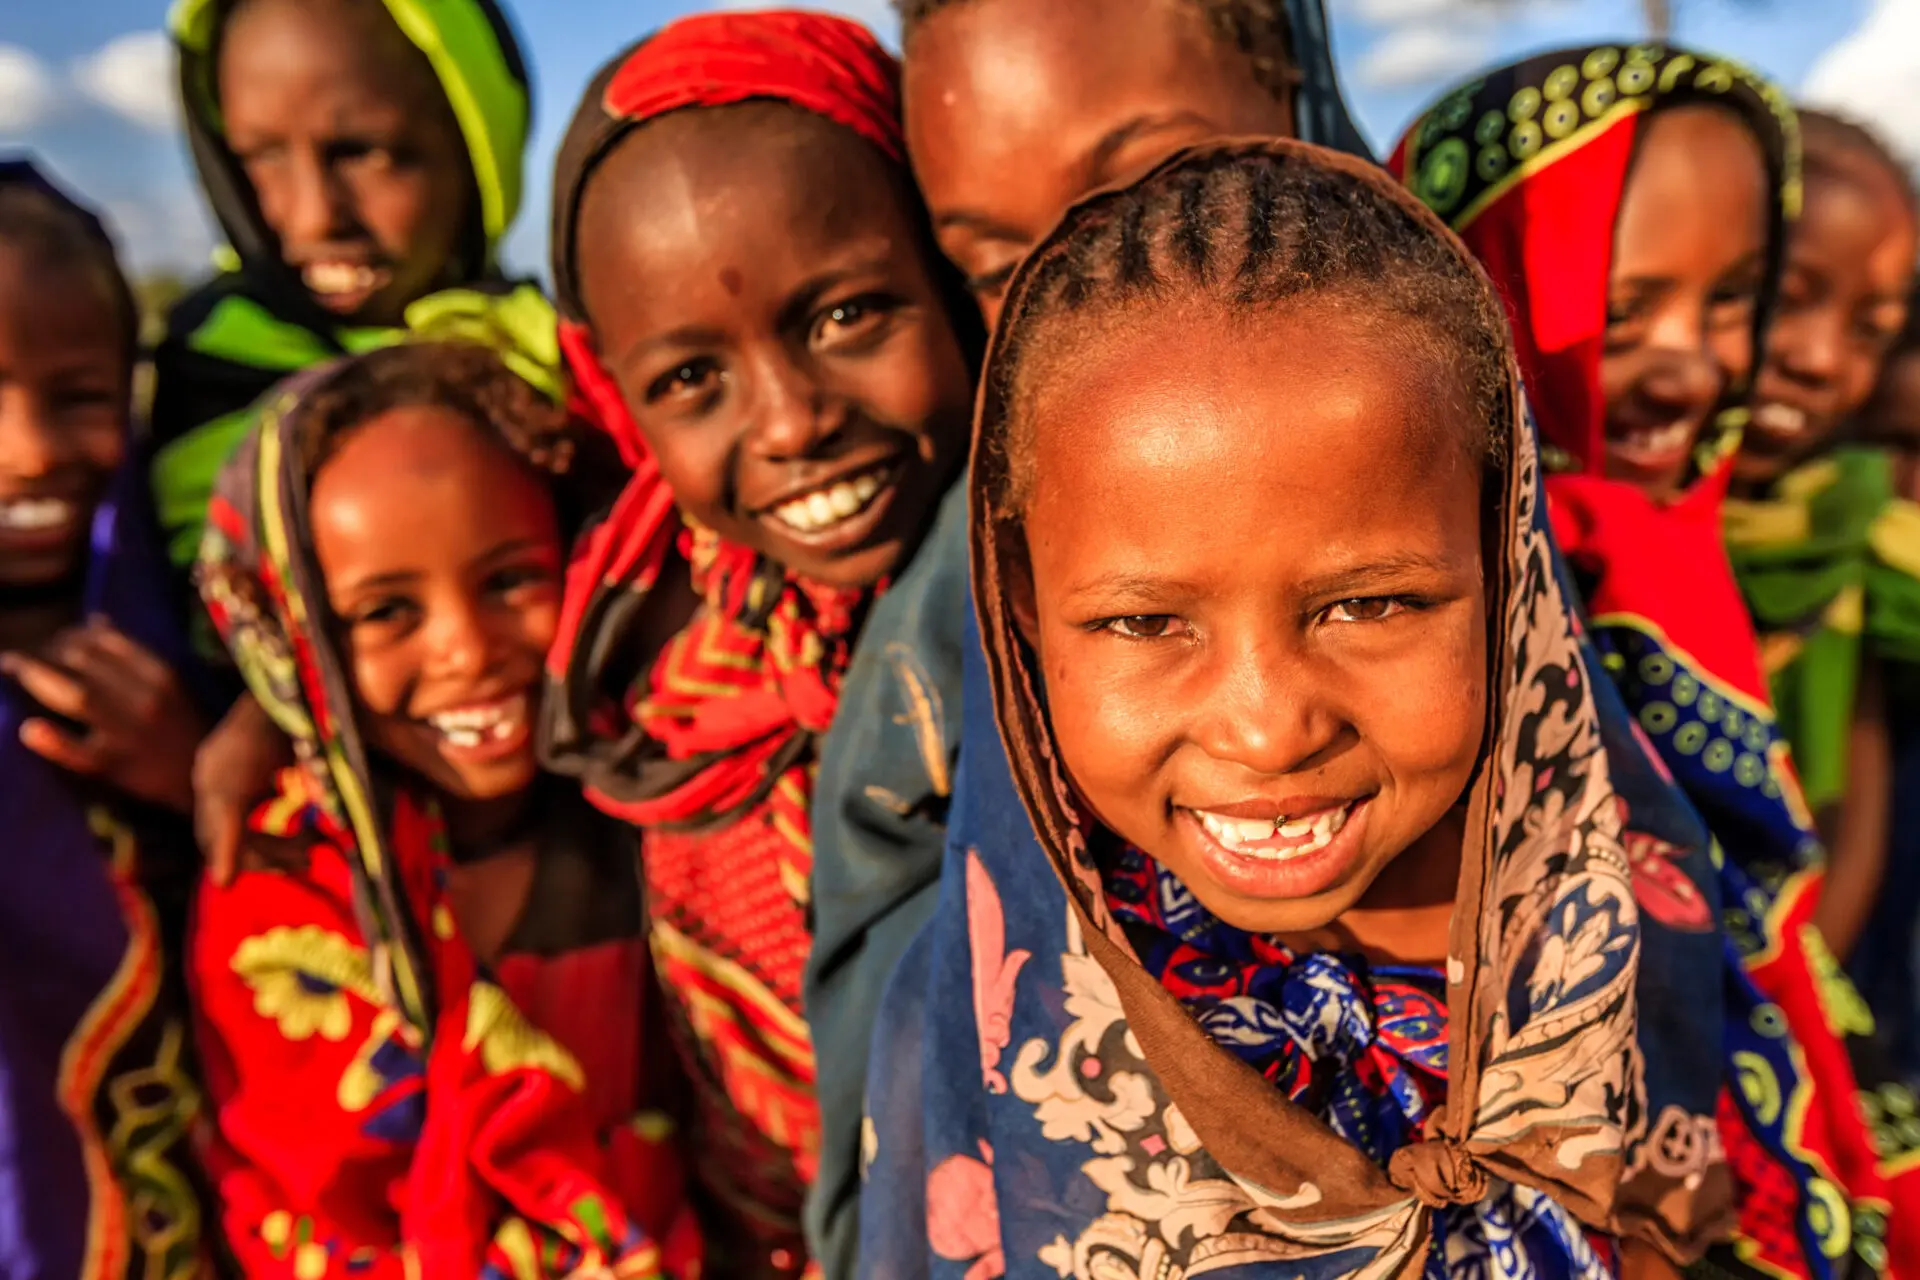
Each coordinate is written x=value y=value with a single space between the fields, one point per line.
x=690 y=377
x=864 y=317
x=1144 y=626
x=989 y=284
x=1364 y=609
x=508 y=580
x=391 y=612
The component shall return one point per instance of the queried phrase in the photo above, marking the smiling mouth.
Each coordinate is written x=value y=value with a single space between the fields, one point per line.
x=38 y=515
x=1653 y=446
x=1278 y=839
x=1780 y=421
x=483 y=727
x=343 y=285
x=824 y=509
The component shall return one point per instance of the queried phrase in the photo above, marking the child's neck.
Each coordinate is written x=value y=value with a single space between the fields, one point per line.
x=1406 y=917
x=478 y=829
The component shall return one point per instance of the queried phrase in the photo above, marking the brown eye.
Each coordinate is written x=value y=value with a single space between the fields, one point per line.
x=1145 y=626
x=1367 y=609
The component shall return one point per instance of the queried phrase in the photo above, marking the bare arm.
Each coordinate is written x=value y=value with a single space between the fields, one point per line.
x=1856 y=828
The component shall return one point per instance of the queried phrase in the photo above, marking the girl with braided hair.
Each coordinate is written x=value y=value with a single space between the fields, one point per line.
x=1324 y=913
x=422 y=1004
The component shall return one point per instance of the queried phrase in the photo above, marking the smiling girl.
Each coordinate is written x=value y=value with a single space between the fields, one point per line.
x=1362 y=936
x=422 y=1008
x=753 y=306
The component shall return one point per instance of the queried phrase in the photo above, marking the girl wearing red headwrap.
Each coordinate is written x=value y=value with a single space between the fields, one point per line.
x=753 y=308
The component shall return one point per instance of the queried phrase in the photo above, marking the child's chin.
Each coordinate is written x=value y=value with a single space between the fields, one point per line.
x=494 y=779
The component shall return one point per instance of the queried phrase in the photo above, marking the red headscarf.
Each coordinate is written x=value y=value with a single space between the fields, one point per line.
x=1530 y=168
x=736 y=698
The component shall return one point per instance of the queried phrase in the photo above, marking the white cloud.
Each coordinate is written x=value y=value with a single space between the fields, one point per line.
x=1415 y=56
x=1873 y=74
x=1391 y=13
x=133 y=75
x=28 y=92
x=165 y=229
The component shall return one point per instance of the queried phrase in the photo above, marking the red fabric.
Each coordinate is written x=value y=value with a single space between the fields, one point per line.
x=1547 y=243
x=824 y=64
x=324 y=1152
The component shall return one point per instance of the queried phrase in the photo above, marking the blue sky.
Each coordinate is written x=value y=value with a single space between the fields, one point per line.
x=86 y=86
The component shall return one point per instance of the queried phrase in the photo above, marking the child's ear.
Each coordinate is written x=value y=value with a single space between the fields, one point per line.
x=1017 y=574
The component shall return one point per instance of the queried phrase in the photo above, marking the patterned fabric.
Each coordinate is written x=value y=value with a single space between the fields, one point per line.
x=382 y=1106
x=97 y=1094
x=711 y=750
x=1076 y=1075
x=1529 y=164
x=1829 y=563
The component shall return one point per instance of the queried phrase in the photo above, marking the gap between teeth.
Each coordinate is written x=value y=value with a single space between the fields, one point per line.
x=1234 y=833
x=824 y=508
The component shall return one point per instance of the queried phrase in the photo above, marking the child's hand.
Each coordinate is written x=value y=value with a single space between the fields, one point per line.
x=234 y=772
x=132 y=725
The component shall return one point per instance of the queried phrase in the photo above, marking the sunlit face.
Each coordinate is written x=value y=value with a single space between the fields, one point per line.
x=1257 y=600
x=1891 y=419
x=354 y=155
x=1014 y=110
x=760 y=286
x=1843 y=300
x=64 y=374
x=1689 y=257
x=442 y=561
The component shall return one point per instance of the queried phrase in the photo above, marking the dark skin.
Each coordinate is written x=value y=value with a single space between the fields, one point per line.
x=353 y=152
x=442 y=558
x=119 y=714
x=1015 y=110
x=1891 y=418
x=1843 y=301
x=760 y=289
x=1195 y=664
x=1688 y=258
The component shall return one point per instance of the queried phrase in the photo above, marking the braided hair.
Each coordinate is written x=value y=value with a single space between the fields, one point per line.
x=1257 y=29
x=1243 y=228
x=473 y=381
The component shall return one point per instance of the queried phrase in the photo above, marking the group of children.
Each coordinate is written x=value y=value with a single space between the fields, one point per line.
x=1036 y=668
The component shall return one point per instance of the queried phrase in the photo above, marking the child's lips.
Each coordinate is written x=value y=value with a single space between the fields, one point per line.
x=343 y=285
x=839 y=513
x=1281 y=856
x=483 y=731
x=37 y=522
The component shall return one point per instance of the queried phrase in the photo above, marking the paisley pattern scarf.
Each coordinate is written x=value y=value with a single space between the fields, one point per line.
x=1529 y=165
x=711 y=746
x=1078 y=1073
x=438 y=1132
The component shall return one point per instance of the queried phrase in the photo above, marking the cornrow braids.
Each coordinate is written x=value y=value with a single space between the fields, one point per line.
x=1256 y=29
x=474 y=382
x=1242 y=227
x=1827 y=139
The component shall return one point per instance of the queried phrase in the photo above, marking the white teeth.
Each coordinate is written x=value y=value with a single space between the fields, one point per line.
x=1237 y=833
x=34 y=515
x=1655 y=441
x=340 y=277
x=470 y=726
x=824 y=508
x=1780 y=419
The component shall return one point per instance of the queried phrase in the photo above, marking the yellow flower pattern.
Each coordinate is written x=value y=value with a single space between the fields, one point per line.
x=301 y=978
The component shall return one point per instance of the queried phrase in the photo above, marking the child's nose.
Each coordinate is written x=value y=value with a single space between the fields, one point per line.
x=793 y=412
x=460 y=644
x=316 y=206
x=1261 y=714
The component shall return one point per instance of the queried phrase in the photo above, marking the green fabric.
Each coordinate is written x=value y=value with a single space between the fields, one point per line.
x=1830 y=567
x=520 y=325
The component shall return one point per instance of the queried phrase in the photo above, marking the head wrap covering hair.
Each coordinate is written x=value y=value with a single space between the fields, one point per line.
x=711 y=748
x=1319 y=109
x=1297 y=1114
x=1530 y=165
x=505 y=1173
x=90 y=1031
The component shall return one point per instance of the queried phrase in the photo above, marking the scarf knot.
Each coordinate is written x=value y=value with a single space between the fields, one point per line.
x=1438 y=1173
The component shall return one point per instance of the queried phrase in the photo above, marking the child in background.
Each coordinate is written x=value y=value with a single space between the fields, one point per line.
x=1631 y=203
x=1357 y=908
x=754 y=307
x=1838 y=616
x=1102 y=90
x=360 y=155
x=96 y=732
x=423 y=1009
